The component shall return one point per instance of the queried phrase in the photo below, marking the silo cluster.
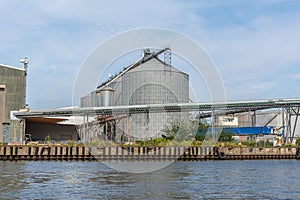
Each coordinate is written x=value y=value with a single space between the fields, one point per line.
x=151 y=82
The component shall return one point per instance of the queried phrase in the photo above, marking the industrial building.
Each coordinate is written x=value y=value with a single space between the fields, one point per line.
x=90 y=127
x=251 y=123
x=12 y=98
x=140 y=101
x=147 y=81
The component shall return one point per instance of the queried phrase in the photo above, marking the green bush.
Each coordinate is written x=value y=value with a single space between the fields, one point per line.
x=225 y=137
x=80 y=144
x=269 y=144
x=298 y=142
x=196 y=143
x=288 y=145
x=248 y=143
x=200 y=137
x=157 y=141
x=139 y=142
x=70 y=143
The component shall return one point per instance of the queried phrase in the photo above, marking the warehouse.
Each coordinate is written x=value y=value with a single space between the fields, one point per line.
x=12 y=97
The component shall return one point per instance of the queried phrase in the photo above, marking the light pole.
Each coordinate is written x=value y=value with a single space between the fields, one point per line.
x=25 y=62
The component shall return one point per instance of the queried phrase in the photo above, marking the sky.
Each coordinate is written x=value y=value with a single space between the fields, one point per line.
x=254 y=44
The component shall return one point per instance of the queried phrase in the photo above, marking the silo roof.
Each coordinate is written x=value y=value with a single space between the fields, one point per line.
x=156 y=64
x=141 y=62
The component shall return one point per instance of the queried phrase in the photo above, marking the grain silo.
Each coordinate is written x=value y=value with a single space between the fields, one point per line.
x=148 y=81
x=104 y=96
x=153 y=82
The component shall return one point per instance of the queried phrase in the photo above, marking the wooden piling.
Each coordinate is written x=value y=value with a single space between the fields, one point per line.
x=142 y=153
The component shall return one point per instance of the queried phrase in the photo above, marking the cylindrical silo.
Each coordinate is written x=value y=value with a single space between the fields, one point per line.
x=104 y=96
x=154 y=82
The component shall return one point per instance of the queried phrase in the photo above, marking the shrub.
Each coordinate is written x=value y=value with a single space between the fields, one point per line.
x=225 y=137
x=249 y=143
x=157 y=141
x=139 y=142
x=70 y=143
x=200 y=137
x=196 y=143
x=288 y=145
x=80 y=144
x=298 y=142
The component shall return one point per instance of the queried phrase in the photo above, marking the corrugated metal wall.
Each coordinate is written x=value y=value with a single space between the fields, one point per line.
x=14 y=81
x=151 y=83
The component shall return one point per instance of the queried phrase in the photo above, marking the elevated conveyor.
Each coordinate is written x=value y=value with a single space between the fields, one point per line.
x=230 y=106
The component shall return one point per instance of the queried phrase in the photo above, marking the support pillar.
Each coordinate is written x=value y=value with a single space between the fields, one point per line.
x=296 y=112
x=254 y=118
x=128 y=128
x=287 y=127
x=123 y=133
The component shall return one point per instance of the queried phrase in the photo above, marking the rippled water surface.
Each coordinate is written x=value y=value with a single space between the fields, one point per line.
x=261 y=179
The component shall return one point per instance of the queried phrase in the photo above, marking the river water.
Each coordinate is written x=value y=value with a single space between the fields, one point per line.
x=258 y=179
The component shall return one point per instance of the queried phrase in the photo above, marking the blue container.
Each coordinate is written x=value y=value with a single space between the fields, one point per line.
x=261 y=130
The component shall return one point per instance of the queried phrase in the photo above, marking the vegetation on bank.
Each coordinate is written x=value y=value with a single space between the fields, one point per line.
x=161 y=142
x=196 y=133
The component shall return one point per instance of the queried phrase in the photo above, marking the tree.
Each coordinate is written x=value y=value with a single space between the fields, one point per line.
x=189 y=130
x=298 y=142
x=181 y=131
x=225 y=137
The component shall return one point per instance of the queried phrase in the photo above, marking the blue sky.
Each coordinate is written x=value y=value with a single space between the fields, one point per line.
x=254 y=44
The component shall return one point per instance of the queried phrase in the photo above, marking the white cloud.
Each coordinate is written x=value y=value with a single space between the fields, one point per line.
x=263 y=86
x=295 y=76
x=260 y=50
x=250 y=42
x=58 y=35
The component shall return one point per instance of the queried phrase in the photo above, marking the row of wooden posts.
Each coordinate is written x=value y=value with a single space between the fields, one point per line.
x=60 y=152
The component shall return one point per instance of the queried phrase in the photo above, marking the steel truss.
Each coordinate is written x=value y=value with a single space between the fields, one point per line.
x=289 y=127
